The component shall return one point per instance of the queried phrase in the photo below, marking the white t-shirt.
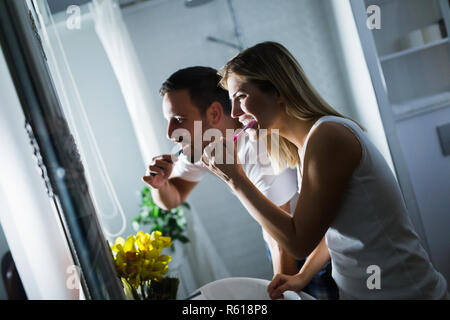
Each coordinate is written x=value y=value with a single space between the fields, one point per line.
x=278 y=188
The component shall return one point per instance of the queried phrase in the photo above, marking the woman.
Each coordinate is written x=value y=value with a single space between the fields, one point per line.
x=350 y=207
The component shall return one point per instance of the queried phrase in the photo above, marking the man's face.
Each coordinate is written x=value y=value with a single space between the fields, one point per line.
x=181 y=115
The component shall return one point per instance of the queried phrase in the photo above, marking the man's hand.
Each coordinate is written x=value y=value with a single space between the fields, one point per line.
x=159 y=171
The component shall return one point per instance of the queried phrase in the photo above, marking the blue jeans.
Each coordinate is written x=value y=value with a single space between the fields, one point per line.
x=322 y=285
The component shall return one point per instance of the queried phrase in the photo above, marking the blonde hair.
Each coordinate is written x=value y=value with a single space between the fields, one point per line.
x=272 y=68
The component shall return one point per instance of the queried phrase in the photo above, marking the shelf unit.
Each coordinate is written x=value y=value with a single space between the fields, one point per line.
x=421 y=105
x=414 y=82
x=413 y=50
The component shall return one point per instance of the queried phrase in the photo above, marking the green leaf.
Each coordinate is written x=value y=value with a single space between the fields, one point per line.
x=172 y=222
x=147 y=220
x=137 y=219
x=157 y=228
x=156 y=212
x=183 y=239
x=186 y=205
x=145 y=191
x=181 y=222
x=145 y=212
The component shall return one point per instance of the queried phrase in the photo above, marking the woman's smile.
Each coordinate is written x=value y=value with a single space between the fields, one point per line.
x=249 y=102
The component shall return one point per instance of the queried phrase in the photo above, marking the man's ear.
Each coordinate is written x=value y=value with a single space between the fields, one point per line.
x=214 y=113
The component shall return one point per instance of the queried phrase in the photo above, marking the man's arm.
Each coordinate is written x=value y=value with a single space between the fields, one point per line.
x=173 y=193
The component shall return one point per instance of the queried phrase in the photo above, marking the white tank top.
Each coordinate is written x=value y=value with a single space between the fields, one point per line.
x=372 y=228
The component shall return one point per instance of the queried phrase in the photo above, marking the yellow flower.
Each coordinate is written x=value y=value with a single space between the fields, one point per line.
x=118 y=244
x=159 y=241
x=143 y=241
x=130 y=244
x=139 y=259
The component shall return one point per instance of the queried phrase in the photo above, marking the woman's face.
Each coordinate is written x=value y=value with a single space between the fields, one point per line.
x=249 y=102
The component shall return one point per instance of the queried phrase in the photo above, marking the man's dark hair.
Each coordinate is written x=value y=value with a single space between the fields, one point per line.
x=203 y=86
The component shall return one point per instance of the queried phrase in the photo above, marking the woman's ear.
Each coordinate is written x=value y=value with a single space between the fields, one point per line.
x=214 y=113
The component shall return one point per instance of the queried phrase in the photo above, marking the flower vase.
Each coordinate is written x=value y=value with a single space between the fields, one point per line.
x=166 y=289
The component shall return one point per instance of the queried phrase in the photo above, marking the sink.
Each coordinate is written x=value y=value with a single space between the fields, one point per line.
x=241 y=289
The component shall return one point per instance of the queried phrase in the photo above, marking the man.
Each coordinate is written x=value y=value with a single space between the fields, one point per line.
x=194 y=103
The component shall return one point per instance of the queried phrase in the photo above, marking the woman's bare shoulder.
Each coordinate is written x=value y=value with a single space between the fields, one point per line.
x=336 y=141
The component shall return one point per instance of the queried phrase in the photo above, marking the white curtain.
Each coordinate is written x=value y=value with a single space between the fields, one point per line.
x=197 y=262
x=114 y=36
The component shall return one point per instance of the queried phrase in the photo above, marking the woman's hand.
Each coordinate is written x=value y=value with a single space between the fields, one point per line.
x=221 y=159
x=281 y=283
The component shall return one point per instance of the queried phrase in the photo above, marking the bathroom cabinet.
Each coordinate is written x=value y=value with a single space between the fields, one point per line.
x=417 y=74
x=408 y=58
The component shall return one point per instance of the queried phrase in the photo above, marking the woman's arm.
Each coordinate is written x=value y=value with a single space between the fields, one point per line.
x=285 y=263
x=315 y=262
x=332 y=155
x=282 y=262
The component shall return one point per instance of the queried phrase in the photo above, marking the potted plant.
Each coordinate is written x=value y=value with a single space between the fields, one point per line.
x=171 y=223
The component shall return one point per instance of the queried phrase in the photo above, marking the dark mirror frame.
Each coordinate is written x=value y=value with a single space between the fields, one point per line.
x=56 y=151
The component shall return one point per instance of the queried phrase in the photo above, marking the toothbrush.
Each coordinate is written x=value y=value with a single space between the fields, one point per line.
x=176 y=154
x=250 y=124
